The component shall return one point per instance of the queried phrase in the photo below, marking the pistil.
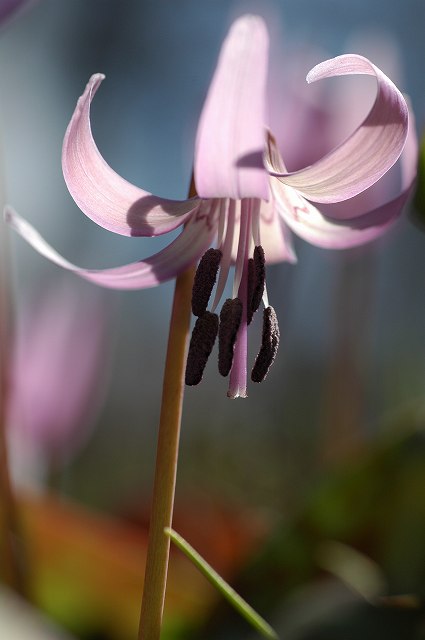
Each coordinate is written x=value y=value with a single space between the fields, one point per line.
x=237 y=384
x=230 y=319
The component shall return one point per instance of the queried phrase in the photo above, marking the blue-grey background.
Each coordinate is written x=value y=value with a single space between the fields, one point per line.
x=158 y=57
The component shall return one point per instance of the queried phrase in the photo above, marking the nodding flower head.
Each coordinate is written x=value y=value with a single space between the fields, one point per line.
x=249 y=291
x=246 y=203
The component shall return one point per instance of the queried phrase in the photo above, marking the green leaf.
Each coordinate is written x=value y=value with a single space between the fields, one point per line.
x=355 y=569
x=225 y=589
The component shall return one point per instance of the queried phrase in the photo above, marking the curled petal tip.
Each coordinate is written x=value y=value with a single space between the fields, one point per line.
x=368 y=153
x=97 y=77
x=103 y=195
x=248 y=22
x=92 y=86
x=346 y=64
x=311 y=75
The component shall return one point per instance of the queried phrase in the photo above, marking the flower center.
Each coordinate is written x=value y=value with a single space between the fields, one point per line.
x=249 y=290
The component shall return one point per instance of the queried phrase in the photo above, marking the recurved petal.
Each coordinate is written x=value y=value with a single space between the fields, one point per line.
x=329 y=233
x=184 y=251
x=103 y=195
x=364 y=156
x=409 y=157
x=230 y=138
x=391 y=186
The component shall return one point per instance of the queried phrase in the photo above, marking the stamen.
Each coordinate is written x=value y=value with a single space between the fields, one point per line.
x=201 y=344
x=221 y=222
x=204 y=282
x=269 y=346
x=230 y=319
x=226 y=248
x=256 y=281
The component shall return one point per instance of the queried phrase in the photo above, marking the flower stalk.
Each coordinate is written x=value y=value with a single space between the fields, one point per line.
x=166 y=458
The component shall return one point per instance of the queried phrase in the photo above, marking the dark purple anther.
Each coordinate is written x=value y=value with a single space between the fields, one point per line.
x=201 y=343
x=204 y=282
x=269 y=346
x=256 y=280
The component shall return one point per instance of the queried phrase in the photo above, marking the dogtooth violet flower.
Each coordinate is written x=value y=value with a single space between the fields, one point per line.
x=245 y=201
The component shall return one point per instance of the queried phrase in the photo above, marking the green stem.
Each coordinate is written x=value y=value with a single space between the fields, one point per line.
x=166 y=460
x=246 y=611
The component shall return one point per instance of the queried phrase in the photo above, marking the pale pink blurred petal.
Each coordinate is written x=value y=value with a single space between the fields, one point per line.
x=301 y=116
x=9 y=8
x=104 y=196
x=230 y=138
x=59 y=357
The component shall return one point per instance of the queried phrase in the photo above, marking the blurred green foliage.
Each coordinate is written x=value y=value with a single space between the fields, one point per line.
x=373 y=505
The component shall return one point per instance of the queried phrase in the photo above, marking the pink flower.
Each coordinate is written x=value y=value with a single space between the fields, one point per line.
x=246 y=199
x=57 y=379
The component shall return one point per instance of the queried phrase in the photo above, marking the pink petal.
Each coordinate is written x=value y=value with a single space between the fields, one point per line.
x=103 y=195
x=275 y=238
x=398 y=180
x=273 y=235
x=307 y=222
x=409 y=157
x=184 y=251
x=367 y=154
x=230 y=138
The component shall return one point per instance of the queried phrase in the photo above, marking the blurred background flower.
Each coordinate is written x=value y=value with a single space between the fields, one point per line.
x=60 y=366
x=10 y=8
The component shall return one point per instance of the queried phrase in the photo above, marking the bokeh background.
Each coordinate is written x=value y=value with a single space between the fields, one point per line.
x=336 y=429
